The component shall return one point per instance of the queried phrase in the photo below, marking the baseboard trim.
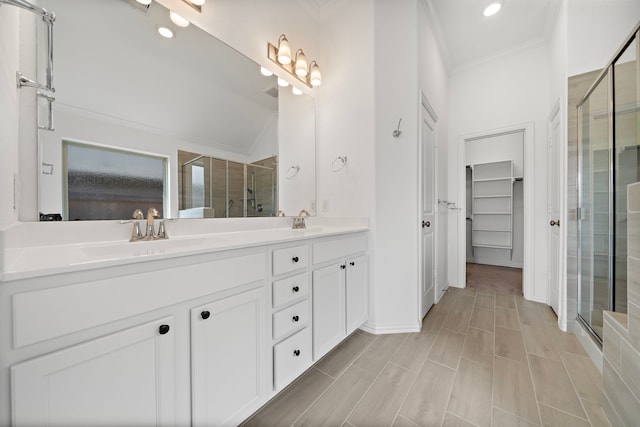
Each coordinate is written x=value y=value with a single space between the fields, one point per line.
x=389 y=329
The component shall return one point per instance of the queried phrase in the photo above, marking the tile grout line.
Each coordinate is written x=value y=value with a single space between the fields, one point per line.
x=574 y=389
x=371 y=386
x=332 y=383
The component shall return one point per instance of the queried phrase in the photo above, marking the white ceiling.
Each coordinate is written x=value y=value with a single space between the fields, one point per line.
x=467 y=36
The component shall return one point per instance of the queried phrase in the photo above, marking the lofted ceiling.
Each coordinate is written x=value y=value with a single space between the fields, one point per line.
x=467 y=36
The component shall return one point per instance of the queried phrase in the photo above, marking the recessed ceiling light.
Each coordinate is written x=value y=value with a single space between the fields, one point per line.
x=165 y=32
x=178 y=20
x=492 y=8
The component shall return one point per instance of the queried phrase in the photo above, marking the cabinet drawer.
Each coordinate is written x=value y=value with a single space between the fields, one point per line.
x=289 y=259
x=291 y=357
x=327 y=250
x=289 y=289
x=290 y=319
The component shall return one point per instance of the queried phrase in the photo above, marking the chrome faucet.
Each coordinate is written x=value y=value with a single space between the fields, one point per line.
x=298 y=222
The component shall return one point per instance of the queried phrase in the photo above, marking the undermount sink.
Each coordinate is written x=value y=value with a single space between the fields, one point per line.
x=142 y=248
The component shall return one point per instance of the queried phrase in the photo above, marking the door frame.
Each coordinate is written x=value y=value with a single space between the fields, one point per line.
x=528 y=175
x=426 y=106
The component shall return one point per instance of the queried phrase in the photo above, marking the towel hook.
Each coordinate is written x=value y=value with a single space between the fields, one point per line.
x=396 y=133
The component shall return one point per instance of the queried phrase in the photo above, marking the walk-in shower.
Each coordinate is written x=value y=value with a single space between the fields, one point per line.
x=216 y=188
x=609 y=160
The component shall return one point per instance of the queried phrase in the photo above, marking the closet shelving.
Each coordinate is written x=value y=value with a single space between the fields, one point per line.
x=492 y=198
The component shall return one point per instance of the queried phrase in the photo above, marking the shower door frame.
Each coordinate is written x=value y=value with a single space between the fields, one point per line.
x=607 y=72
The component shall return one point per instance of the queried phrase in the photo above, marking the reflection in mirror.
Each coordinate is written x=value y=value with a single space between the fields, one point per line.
x=130 y=89
x=216 y=188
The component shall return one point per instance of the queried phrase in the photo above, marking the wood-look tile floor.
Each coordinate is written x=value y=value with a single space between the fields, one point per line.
x=482 y=359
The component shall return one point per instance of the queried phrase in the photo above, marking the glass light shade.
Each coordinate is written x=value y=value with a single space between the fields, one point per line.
x=315 y=78
x=197 y=2
x=492 y=8
x=282 y=82
x=296 y=91
x=284 y=51
x=144 y=2
x=301 y=68
x=265 y=72
x=178 y=20
x=165 y=32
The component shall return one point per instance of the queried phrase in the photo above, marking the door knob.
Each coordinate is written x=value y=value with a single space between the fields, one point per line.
x=163 y=329
x=554 y=222
x=426 y=224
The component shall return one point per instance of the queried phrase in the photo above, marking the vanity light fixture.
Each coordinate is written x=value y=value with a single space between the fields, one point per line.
x=165 y=32
x=309 y=74
x=178 y=20
x=265 y=72
x=144 y=2
x=296 y=91
x=301 y=68
x=282 y=82
x=492 y=8
x=284 y=51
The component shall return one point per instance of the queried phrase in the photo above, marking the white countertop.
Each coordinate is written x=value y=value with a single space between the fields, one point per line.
x=42 y=256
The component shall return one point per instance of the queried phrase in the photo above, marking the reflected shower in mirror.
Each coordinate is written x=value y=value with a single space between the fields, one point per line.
x=131 y=90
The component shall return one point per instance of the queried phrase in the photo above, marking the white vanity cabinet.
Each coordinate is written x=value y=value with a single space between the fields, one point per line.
x=227 y=348
x=339 y=290
x=125 y=378
x=291 y=313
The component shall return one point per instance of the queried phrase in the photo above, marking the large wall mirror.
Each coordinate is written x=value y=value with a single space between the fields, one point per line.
x=186 y=124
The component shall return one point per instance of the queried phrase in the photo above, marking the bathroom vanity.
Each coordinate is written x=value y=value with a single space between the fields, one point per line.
x=198 y=329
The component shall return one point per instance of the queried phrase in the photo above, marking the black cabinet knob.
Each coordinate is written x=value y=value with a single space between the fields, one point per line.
x=296 y=353
x=295 y=259
x=352 y=263
x=343 y=266
x=205 y=315
x=295 y=289
x=426 y=224
x=295 y=318
x=163 y=329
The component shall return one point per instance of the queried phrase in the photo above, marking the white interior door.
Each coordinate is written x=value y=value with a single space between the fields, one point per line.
x=553 y=203
x=427 y=292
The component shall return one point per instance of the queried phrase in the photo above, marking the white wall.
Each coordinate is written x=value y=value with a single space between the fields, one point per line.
x=595 y=30
x=504 y=92
x=8 y=112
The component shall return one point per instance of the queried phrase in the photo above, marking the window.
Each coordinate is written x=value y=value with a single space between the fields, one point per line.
x=108 y=183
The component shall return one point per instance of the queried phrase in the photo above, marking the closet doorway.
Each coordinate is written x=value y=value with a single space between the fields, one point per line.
x=494 y=211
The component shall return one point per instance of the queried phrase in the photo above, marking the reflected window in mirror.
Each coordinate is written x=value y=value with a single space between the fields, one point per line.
x=107 y=183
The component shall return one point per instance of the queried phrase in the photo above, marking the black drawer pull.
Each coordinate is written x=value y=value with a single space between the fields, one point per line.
x=205 y=315
x=343 y=266
x=295 y=259
x=296 y=353
x=163 y=329
x=352 y=263
x=295 y=318
x=295 y=289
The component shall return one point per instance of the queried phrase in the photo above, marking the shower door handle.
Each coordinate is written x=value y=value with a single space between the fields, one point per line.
x=554 y=222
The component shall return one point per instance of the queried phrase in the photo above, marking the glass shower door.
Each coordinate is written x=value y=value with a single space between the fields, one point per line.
x=595 y=228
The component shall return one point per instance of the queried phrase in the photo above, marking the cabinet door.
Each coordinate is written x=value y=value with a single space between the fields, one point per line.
x=227 y=358
x=357 y=293
x=328 y=308
x=126 y=378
